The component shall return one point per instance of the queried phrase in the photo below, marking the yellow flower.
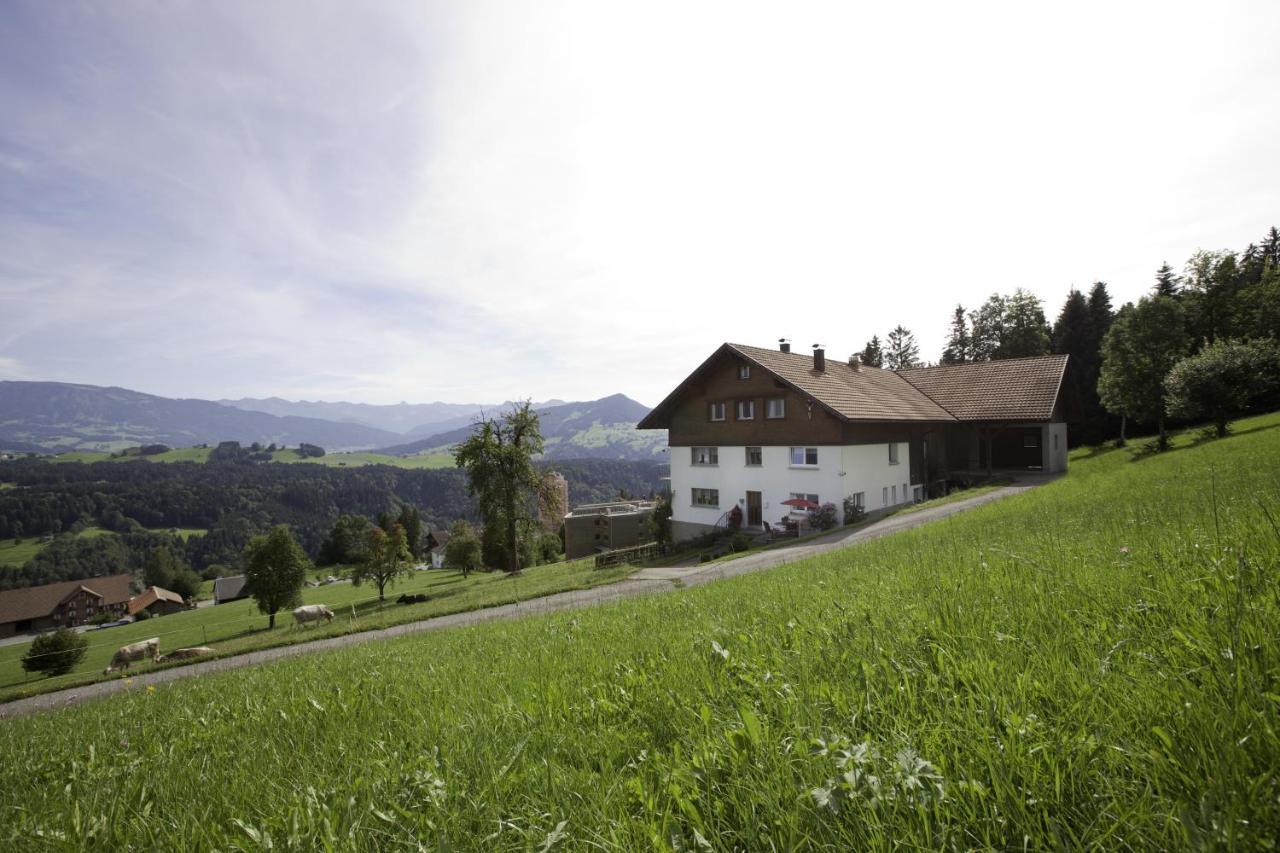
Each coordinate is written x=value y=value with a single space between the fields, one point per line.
x=151 y=688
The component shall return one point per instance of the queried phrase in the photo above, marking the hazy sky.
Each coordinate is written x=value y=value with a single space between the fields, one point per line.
x=467 y=201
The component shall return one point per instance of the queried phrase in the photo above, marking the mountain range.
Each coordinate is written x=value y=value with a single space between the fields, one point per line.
x=45 y=417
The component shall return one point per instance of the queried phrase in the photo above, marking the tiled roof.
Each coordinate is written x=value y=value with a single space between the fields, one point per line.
x=150 y=596
x=1016 y=389
x=1023 y=389
x=36 y=601
x=866 y=394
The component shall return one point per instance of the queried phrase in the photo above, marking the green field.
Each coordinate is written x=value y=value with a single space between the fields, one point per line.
x=333 y=460
x=1092 y=664
x=15 y=552
x=237 y=626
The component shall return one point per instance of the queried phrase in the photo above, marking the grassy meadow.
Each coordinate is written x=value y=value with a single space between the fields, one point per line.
x=1091 y=664
x=237 y=626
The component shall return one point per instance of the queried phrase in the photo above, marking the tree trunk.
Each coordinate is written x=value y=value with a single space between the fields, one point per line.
x=1222 y=428
x=271 y=620
x=1120 y=442
x=1163 y=443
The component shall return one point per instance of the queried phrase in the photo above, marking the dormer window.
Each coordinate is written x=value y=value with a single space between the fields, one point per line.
x=746 y=410
x=744 y=371
x=717 y=411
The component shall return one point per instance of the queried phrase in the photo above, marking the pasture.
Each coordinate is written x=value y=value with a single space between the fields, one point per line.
x=237 y=626
x=1091 y=664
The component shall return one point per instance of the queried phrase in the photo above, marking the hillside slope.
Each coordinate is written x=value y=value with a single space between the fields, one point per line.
x=45 y=416
x=1090 y=665
x=596 y=429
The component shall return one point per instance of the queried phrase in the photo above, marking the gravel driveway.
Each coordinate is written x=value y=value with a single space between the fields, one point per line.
x=644 y=582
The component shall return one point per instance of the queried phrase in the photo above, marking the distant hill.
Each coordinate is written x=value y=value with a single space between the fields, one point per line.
x=598 y=429
x=409 y=419
x=54 y=416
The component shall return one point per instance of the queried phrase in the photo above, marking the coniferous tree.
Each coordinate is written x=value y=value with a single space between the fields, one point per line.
x=957 y=349
x=1166 y=281
x=903 y=351
x=872 y=354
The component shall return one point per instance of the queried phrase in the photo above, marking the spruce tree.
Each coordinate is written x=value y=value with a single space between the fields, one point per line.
x=1166 y=281
x=957 y=350
x=872 y=354
x=903 y=352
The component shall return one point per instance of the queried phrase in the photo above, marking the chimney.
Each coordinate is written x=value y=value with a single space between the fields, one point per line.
x=784 y=345
x=819 y=358
x=855 y=361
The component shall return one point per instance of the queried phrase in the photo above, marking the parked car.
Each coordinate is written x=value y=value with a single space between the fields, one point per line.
x=115 y=624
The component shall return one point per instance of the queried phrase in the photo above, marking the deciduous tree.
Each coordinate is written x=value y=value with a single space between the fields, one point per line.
x=1142 y=346
x=275 y=568
x=55 y=653
x=1222 y=381
x=498 y=459
x=462 y=551
x=387 y=557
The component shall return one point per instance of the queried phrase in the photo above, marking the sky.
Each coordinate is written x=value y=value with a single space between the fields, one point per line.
x=474 y=202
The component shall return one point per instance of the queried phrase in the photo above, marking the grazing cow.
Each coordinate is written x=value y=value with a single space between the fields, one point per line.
x=186 y=654
x=312 y=613
x=413 y=599
x=126 y=655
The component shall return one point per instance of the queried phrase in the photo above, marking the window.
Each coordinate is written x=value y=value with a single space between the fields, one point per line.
x=744 y=371
x=859 y=499
x=755 y=456
x=884 y=496
x=1031 y=439
x=906 y=494
x=746 y=410
x=893 y=454
x=717 y=411
x=777 y=408
x=705 y=456
x=894 y=493
x=804 y=456
x=801 y=496
x=706 y=497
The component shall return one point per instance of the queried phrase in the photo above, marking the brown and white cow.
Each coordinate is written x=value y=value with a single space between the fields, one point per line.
x=312 y=613
x=126 y=655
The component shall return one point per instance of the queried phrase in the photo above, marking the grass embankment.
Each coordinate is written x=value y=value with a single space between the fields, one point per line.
x=1091 y=664
x=237 y=626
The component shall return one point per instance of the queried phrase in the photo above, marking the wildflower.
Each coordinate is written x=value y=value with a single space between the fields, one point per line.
x=151 y=688
x=1124 y=549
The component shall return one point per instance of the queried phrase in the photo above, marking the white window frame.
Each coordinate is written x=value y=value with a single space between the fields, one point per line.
x=859 y=499
x=804 y=456
x=769 y=408
x=884 y=496
x=711 y=497
x=744 y=371
x=893 y=494
x=750 y=410
x=759 y=456
x=893 y=453
x=704 y=457
x=717 y=408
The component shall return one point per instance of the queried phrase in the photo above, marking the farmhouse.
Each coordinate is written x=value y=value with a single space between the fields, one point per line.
x=157 y=601
x=62 y=605
x=434 y=544
x=768 y=430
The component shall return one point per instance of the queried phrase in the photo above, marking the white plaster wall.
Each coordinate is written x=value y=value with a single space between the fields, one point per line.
x=867 y=470
x=841 y=471
x=1057 y=455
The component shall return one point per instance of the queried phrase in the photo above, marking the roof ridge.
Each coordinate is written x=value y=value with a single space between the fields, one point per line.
x=988 y=361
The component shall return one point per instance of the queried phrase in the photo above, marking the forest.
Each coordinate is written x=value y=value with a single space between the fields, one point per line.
x=234 y=500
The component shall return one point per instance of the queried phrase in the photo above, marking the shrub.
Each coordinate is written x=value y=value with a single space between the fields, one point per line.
x=824 y=517
x=56 y=653
x=1222 y=381
x=852 y=512
x=142 y=615
x=740 y=541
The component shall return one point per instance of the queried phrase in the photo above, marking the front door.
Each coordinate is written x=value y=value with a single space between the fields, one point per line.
x=755 y=517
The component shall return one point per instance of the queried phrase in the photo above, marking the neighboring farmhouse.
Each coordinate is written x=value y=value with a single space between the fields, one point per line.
x=755 y=427
x=156 y=601
x=434 y=543
x=63 y=605
x=593 y=528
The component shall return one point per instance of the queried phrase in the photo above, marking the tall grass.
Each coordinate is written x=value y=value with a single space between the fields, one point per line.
x=1091 y=664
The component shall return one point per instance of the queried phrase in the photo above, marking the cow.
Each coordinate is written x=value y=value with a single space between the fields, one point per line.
x=312 y=613
x=412 y=599
x=126 y=655
x=186 y=654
